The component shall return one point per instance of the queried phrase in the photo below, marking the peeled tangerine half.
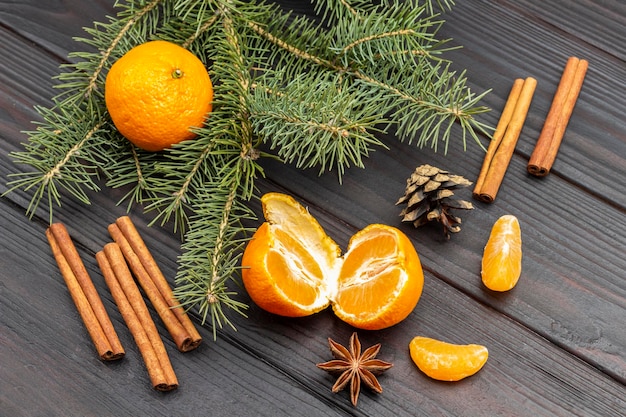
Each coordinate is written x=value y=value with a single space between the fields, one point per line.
x=502 y=257
x=291 y=267
x=447 y=361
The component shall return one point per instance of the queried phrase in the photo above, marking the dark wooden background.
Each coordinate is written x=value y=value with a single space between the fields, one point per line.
x=557 y=341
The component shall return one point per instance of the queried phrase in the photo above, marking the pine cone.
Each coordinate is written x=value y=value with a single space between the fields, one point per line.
x=429 y=197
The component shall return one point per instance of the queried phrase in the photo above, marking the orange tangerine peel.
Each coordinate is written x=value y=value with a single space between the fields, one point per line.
x=291 y=267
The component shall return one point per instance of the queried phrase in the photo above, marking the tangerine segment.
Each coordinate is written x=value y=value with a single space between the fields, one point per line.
x=446 y=361
x=502 y=256
x=281 y=276
x=381 y=279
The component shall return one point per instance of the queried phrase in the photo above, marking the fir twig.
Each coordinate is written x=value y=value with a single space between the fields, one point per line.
x=211 y=254
x=315 y=92
x=68 y=166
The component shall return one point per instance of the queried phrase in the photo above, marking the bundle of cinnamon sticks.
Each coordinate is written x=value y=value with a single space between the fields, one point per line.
x=116 y=260
x=511 y=121
x=137 y=317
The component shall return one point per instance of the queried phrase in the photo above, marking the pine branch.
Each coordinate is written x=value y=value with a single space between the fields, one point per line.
x=212 y=184
x=211 y=254
x=69 y=146
x=133 y=172
x=339 y=128
x=314 y=92
x=86 y=77
x=336 y=10
x=396 y=34
x=59 y=163
x=416 y=94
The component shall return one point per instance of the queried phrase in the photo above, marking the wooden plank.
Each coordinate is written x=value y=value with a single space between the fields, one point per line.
x=588 y=20
x=556 y=342
x=52 y=25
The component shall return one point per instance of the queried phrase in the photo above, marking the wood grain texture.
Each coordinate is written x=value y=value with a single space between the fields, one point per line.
x=557 y=341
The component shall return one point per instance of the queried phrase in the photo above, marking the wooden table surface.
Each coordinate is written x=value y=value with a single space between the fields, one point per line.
x=557 y=342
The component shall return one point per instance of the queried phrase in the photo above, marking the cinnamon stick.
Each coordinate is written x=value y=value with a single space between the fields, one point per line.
x=504 y=140
x=563 y=103
x=137 y=317
x=84 y=294
x=154 y=284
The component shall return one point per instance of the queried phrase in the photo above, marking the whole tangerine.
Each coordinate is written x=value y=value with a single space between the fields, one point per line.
x=157 y=92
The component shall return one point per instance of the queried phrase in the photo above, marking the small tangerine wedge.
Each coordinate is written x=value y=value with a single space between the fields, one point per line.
x=291 y=267
x=380 y=280
x=502 y=256
x=445 y=361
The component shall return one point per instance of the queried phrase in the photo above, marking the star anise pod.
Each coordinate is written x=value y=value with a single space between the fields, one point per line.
x=354 y=367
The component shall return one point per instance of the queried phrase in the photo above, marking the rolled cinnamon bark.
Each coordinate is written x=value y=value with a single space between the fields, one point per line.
x=504 y=140
x=154 y=284
x=84 y=294
x=137 y=317
x=563 y=103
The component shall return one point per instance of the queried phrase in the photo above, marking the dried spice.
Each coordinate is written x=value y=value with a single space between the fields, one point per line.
x=558 y=117
x=504 y=140
x=429 y=196
x=354 y=367
x=84 y=293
